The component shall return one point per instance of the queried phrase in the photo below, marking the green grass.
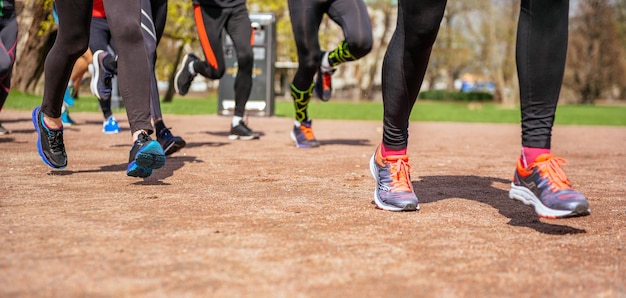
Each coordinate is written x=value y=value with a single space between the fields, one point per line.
x=423 y=110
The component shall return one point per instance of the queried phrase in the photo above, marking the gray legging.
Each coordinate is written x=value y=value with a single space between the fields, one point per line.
x=541 y=51
x=153 y=17
x=8 y=42
x=72 y=41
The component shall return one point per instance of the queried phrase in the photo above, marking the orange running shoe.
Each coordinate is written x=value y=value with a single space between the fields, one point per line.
x=544 y=185
x=394 y=191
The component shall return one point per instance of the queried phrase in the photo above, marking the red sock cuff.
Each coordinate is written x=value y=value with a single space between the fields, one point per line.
x=529 y=154
x=386 y=151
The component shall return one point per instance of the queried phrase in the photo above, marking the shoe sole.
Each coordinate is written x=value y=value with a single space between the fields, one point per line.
x=244 y=138
x=380 y=204
x=183 y=64
x=35 y=119
x=527 y=197
x=300 y=145
x=173 y=148
x=93 y=85
x=151 y=156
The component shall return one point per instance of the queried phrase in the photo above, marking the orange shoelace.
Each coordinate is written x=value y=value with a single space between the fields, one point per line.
x=400 y=172
x=308 y=132
x=551 y=169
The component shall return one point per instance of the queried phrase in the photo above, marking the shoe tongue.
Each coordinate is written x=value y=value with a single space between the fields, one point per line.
x=543 y=157
x=397 y=157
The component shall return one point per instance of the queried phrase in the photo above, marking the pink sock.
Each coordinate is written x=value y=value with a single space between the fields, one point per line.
x=386 y=151
x=529 y=154
x=48 y=126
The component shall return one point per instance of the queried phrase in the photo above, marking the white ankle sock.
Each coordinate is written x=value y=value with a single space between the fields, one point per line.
x=325 y=63
x=236 y=120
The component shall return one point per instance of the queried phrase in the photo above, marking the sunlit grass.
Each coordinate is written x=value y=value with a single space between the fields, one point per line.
x=423 y=110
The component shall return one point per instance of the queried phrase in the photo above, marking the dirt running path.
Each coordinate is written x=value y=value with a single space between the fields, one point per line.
x=264 y=219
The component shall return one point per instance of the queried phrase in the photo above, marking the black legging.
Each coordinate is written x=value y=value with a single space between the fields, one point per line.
x=72 y=41
x=541 y=51
x=210 y=22
x=306 y=17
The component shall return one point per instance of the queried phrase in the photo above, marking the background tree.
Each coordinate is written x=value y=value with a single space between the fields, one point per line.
x=595 y=61
x=35 y=37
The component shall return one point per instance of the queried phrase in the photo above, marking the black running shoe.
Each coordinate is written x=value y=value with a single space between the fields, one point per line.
x=183 y=78
x=145 y=155
x=49 y=142
x=242 y=132
x=169 y=142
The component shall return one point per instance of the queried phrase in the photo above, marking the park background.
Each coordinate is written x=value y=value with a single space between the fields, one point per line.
x=475 y=50
x=264 y=219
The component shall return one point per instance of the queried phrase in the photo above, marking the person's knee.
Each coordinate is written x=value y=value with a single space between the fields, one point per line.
x=359 y=47
x=126 y=32
x=245 y=59
x=74 y=45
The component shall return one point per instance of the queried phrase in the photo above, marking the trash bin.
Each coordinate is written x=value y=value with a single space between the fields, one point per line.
x=261 y=101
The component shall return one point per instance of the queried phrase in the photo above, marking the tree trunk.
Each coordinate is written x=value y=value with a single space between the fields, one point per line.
x=378 y=53
x=29 y=66
x=169 y=94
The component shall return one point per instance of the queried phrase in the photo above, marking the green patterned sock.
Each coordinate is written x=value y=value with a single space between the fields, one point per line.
x=301 y=102
x=340 y=55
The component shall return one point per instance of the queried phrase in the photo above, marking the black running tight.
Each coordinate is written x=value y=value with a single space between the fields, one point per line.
x=72 y=41
x=541 y=51
x=210 y=22
x=306 y=17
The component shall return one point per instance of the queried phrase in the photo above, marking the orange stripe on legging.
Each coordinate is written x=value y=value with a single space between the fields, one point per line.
x=204 y=38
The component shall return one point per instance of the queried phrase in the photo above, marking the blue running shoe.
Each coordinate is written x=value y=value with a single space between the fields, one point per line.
x=68 y=98
x=145 y=155
x=49 y=142
x=302 y=134
x=394 y=191
x=110 y=126
x=544 y=185
x=65 y=117
x=101 y=85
